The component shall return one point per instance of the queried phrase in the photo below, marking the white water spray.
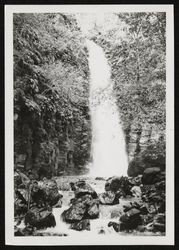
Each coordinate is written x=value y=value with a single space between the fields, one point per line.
x=108 y=143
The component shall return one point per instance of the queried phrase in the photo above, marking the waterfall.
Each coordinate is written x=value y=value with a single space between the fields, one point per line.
x=108 y=142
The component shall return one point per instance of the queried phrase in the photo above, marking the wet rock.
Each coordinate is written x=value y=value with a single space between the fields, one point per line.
x=151 y=175
x=113 y=183
x=81 y=188
x=93 y=210
x=108 y=198
x=120 y=185
x=100 y=178
x=40 y=218
x=37 y=195
x=74 y=213
x=84 y=207
x=131 y=219
x=140 y=206
x=45 y=194
x=52 y=195
x=115 y=225
x=81 y=225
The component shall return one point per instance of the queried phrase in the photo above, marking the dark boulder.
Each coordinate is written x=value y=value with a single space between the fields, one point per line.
x=37 y=195
x=119 y=185
x=108 y=198
x=115 y=225
x=100 y=178
x=74 y=213
x=81 y=188
x=58 y=204
x=81 y=225
x=139 y=206
x=84 y=207
x=50 y=189
x=45 y=194
x=113 y=184
x=131 y=219
x=40 y=218
x=151 y=176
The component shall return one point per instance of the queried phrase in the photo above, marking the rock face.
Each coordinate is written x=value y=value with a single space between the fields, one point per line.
x=108 y=198
x=150 y=156
x=40 y=218
x=151 y=175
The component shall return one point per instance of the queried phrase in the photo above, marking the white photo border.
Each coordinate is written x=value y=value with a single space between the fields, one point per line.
x=10 y=239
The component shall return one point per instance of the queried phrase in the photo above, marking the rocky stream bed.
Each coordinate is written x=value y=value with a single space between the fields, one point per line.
x=68 y=205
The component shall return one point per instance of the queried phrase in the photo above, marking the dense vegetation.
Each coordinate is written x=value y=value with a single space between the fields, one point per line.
x=135 y=48
x=51 y=88
x=52 y=126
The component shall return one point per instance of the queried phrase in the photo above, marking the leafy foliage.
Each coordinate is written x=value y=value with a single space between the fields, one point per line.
x=50 y=87
x=135 y=47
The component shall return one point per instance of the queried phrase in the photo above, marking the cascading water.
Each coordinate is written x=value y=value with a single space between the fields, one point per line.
x=108 y=143
x=108 y=148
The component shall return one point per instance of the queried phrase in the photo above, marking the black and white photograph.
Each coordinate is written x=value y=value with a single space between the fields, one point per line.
x=89 y=111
